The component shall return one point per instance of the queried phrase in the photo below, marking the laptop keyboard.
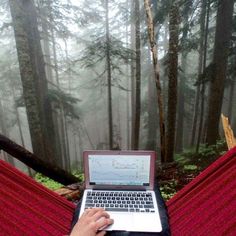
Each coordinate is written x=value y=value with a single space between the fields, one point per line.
x=120 y=201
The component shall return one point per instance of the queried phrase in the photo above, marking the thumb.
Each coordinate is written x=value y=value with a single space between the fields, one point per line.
x=101 y=233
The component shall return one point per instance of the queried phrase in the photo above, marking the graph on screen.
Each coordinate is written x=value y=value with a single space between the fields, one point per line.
x=119 y=169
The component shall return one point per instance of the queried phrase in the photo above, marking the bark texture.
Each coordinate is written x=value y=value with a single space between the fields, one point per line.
x=221 y=48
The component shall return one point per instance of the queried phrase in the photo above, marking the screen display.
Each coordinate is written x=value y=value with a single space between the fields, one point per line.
x=119 y=169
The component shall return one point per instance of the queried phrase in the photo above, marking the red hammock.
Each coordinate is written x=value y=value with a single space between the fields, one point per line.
x=206 y=206
x=28 y=208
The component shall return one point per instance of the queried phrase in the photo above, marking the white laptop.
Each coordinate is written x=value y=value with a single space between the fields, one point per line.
x=122 y=182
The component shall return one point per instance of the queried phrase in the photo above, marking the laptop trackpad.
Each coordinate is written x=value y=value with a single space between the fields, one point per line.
x=122 y=221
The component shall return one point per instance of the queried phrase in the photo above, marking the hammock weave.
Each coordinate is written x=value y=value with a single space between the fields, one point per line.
x=207 y=205
x=28 y=208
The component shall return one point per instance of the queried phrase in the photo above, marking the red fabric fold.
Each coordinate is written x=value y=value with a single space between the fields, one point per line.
x=207 y=205
x=28 y=208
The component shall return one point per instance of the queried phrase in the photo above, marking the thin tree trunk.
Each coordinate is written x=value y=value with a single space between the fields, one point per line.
x=137 y=76
x=202 y=49
x=109 y=92
x=154 y=51
x=181 y=107
x=152 y=116
x=202 y=67
x=182 y=83
x=132 y=73
x=128 y=85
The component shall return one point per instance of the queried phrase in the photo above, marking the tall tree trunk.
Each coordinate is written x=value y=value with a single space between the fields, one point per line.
x=109 y=92
x=221 y=48
x=152 y=115
x=137 y=76
x=127 y=85
x=48 y=36
x=202 y=67
x=154 y=51
x=172 y=86
x=181 y=107
x=182 y=83
x=33 y=78
x=132 y=72
x=200 y=63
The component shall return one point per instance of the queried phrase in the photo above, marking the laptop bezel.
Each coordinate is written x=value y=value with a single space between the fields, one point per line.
x=152 y=155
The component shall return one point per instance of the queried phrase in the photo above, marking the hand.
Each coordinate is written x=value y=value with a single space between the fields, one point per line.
x=90 y=222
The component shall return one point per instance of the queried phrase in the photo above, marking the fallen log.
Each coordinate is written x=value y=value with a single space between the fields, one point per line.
x=50 y=170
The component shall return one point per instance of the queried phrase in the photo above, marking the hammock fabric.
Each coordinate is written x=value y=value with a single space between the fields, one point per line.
x=28 y=208
x=207 y=205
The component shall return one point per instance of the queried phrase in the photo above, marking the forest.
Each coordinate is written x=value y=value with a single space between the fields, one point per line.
x=105 y=74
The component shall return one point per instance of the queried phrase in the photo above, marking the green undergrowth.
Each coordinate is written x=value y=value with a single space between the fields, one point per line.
x=51 y=184
x=168 y=190
x=191 y=160
x=188 y=165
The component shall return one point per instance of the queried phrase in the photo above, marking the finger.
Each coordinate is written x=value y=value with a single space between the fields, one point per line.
x=100 y=214
x=103 y=222
x=101 y=233
x=93 y=211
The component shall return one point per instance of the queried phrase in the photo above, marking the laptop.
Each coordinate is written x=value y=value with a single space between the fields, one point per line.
x=122 y=182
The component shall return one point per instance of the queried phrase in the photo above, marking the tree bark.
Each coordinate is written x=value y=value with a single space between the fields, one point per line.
x=172 y=86
x=200 y=70
x=202 y=67
x=33 y=78
x=137 y=76
x=182 y=83
x=109 y=92
x=154 y=51
x=221 y=48
x=132 y=72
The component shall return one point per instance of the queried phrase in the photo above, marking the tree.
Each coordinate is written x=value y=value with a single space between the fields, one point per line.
x=108 y=67
x=221 y=48
x=172 y=86
x=137 y=76
x=33 y=78
x=202 y=51
x=154 y=51
x=182 y=79
x=202 y=69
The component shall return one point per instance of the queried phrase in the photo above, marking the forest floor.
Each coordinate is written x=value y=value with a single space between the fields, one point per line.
x=174 y=176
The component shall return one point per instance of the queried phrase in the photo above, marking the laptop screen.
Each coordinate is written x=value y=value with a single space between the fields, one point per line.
x=105 y=169
x=119 y=169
